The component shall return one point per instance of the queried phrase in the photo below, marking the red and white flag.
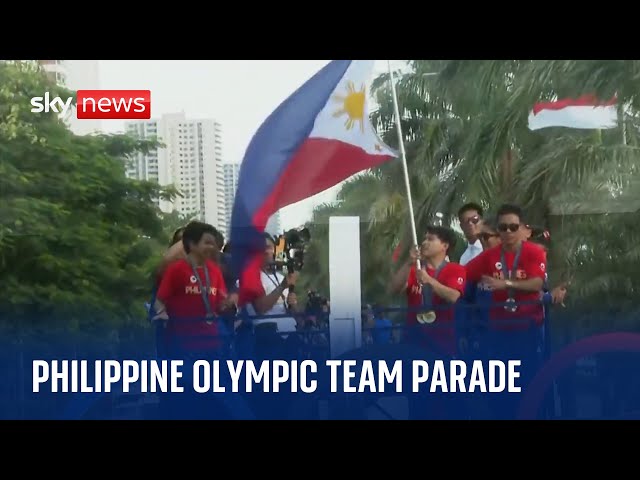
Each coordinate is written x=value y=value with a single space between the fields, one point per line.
x=585 y=112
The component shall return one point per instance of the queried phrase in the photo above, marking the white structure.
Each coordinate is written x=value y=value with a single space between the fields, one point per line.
x=191 y=160
x=76 y=75
x=345 y=321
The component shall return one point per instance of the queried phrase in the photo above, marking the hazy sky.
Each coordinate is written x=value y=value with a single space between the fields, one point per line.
x=240 y=94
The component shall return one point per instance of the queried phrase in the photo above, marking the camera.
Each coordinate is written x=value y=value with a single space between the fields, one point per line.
x=316 y=303
x=290 y=248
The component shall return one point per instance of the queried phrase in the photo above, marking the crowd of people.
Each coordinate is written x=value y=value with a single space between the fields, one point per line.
x=491 y=303
x=202 y=309
x=273 y=323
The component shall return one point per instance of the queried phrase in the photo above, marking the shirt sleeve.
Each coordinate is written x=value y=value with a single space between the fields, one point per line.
x=455 y=276
x=167 y=287
x=250 y=287
x=535 y=264
x=476 y=268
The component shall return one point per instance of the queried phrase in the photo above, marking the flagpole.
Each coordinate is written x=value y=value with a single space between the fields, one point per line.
x=403 y=154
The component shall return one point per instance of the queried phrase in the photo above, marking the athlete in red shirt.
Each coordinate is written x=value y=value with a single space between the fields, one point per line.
x=181 y=297
x=514 y=271
x=441 y=282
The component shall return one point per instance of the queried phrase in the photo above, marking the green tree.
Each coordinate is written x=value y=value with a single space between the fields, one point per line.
x=77 y=238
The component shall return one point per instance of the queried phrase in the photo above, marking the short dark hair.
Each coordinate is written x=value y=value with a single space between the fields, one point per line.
x=491 y=221
x=470 y=206
x=194 y=231
x=444 y=234
x=510 y=209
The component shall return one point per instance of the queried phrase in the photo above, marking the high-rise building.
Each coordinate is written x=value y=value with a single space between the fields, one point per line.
x=231 y=174
x=56 y=70
x=191 y=160
x=145 y=166
x=75 y=75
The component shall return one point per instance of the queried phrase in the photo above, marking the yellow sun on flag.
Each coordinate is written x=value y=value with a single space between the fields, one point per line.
x=352 y=106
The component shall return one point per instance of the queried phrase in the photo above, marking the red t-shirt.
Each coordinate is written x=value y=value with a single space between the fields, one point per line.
x=531 y=264
x=442 y=331
x=180 y=293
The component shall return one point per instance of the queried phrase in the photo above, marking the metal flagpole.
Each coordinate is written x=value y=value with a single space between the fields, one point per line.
x=404 y=157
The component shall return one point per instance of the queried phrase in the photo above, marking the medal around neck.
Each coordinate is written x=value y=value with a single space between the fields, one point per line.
x=511 y=308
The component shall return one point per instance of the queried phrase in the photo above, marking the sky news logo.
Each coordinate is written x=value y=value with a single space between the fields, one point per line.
x=99 y=104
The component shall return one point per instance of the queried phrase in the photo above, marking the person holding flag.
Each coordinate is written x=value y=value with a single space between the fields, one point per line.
x=430 y=290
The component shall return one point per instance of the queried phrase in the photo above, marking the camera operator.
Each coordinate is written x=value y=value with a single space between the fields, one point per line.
x=317 y=305
x=269 y=294
x=314 y=322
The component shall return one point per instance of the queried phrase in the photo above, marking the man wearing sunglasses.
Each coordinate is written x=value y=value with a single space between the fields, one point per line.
x=514 y=272
x=470 y=217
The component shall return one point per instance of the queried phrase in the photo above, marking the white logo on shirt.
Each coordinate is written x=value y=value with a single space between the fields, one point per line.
x=542 y=267
x=498 y=266
x=460 y=280
x=193 y=279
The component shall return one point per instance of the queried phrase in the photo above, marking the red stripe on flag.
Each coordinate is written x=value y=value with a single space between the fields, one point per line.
x=319 y=164
x=583 y=101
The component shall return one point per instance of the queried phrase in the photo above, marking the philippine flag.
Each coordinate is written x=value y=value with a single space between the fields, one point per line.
x=318 y=137
x=586 y=112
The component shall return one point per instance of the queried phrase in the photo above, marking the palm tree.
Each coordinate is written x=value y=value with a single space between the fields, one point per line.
x=467 y=138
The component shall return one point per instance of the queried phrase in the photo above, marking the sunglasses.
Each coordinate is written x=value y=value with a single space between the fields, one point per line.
x=486 y=236
x=508 y=227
